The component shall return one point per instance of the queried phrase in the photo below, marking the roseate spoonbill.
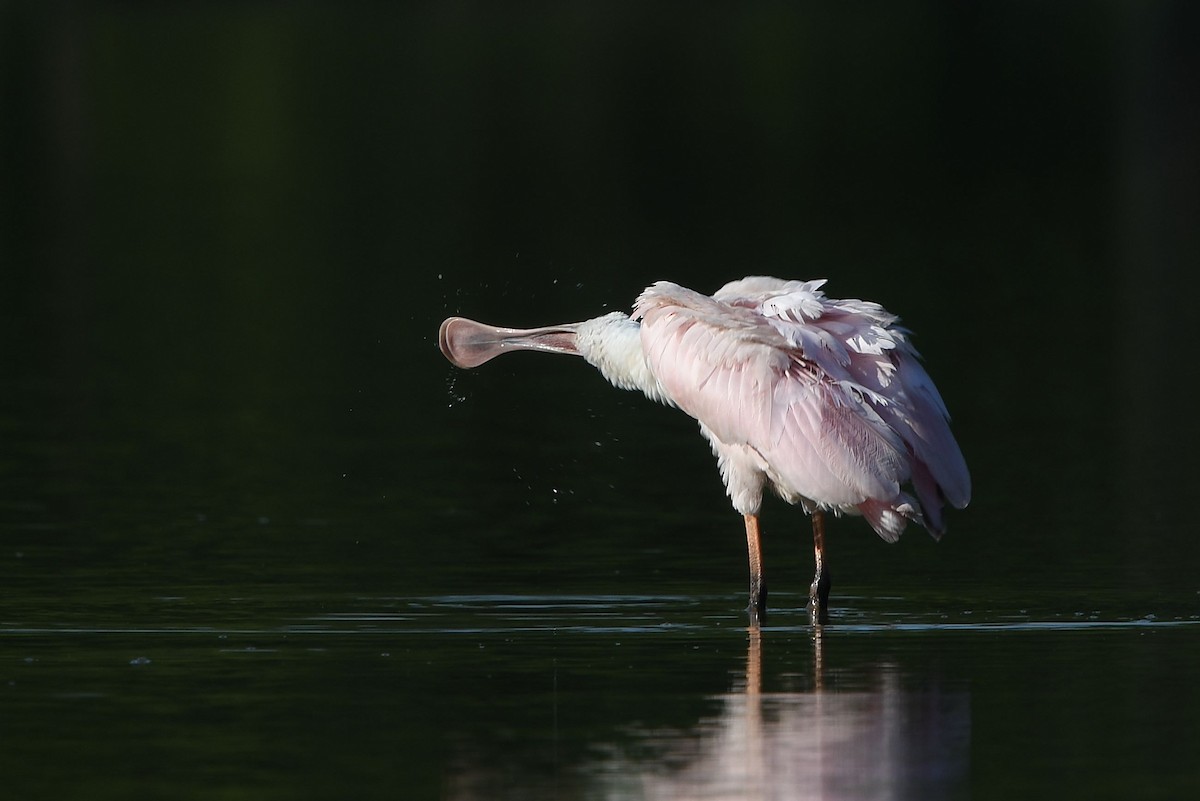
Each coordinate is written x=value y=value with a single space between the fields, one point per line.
x=824 y=401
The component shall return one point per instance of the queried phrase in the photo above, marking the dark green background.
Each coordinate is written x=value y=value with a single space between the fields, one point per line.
x=228 y=444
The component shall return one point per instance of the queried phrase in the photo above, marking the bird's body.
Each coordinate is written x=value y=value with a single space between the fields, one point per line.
x=823 y=401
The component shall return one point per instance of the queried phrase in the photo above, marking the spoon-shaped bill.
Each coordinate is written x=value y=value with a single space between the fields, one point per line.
x=468 y=344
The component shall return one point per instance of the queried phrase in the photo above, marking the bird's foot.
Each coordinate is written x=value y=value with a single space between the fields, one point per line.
x=818 y=598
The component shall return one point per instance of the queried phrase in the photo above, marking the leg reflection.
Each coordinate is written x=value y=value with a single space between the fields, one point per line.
x=881 y=734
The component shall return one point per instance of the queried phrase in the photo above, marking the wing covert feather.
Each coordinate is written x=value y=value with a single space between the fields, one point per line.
x=748 y=385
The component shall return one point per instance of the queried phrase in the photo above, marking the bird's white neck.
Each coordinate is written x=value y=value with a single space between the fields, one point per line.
x=613 y=345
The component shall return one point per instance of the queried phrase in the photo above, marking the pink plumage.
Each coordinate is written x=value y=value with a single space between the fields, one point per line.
x=827 y=394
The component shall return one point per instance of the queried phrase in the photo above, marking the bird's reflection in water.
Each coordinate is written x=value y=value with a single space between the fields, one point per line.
x=857 y=733
x=883 y=742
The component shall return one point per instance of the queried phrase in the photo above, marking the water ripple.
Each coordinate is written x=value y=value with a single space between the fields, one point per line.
x=604 y=614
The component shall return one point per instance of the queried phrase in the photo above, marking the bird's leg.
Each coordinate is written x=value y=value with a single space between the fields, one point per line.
x=818 y=593
x=758 y=582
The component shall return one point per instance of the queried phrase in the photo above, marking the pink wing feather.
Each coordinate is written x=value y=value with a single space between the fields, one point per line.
x=828 y=394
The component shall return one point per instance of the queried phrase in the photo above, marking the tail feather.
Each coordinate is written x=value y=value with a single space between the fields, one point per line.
x=889 y=518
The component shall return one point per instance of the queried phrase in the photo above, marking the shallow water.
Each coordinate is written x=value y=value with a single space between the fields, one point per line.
x=540 y=696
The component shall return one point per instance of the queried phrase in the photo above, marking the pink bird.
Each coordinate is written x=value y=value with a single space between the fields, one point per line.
x=823 y=401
